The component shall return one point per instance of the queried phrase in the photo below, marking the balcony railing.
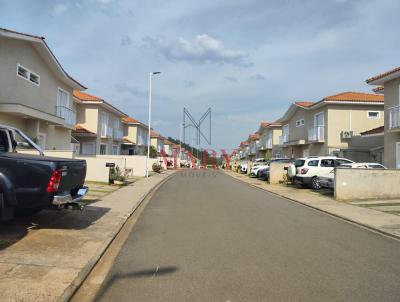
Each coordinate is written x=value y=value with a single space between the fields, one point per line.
x=67 y=114
x=106 y=131
x=316 y=134
x=394 y=117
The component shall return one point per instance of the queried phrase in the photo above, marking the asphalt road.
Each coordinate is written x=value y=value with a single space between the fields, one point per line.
x=208 y=237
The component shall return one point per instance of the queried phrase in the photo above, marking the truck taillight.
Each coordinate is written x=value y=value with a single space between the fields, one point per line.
x=304 y=171
x=54 y=181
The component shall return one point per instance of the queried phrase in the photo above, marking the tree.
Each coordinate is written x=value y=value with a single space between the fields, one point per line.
x=153 y=152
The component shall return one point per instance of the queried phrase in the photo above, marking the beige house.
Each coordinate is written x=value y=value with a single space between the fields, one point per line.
x=168 y=148
x=268 y=145
x=389 y=84
x=157 y=141
x=253 y=145
x=99 y=129
x=327 y=126
x=135 y=137
x=35 y=91
x=243 y=150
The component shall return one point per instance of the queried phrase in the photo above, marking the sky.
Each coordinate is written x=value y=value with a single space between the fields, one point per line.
x=246 y=59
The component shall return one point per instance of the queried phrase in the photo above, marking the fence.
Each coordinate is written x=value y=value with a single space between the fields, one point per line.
x=97 y=171
x=352 y=184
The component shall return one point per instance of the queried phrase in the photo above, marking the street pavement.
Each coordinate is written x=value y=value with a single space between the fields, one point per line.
x=207 y=237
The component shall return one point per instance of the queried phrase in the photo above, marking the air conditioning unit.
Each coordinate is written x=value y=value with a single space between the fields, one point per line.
x=347 y=134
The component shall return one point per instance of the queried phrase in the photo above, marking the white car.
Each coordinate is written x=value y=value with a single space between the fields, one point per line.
x=308 y=170
x=257 y=166
x=328 y=180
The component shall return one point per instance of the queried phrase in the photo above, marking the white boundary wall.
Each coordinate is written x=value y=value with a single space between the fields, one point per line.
x=352 y=184
x=97 y=170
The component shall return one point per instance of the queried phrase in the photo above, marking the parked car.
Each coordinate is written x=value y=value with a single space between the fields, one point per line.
x=328 y=180
x=263 y=173
x=32 y=182
x=243 y=168
x=257 y=166
x=309 y=169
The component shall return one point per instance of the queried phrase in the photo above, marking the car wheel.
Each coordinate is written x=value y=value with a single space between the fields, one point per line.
x=315 y=184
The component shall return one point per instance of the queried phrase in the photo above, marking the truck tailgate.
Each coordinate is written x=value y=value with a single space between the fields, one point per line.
x=73 y=175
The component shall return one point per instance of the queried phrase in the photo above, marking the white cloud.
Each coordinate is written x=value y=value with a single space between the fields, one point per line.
x=202 y=49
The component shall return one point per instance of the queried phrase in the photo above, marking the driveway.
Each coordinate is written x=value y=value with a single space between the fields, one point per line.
x=206 y=237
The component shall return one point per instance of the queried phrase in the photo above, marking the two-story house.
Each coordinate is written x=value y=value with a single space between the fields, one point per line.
x=168 y=148
x=325 y=127
x=389 y=84
x=244 y=150
x=135 y=137
x=157 y=141
x=99 y=128
x=268 y=145
x=253 y=145
x=35 y=91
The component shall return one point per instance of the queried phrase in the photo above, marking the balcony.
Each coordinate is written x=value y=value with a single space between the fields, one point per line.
x=316 y=134
x=117 y=134
x=106 y=131
x=283 y=139
x=394 y=118
x=67 y=114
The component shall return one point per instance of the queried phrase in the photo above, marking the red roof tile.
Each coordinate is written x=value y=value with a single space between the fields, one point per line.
x=154 y=134
x=254 y=136
x=304 y=103
x=85 y=97
x=378 y=89
x=129 y=120
x=378 y=130
x=79 y=129
x=382 y=75
x=128 y=141
x=355 y=97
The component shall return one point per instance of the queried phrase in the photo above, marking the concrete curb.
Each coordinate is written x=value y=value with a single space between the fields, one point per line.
x=363 y=225
x=77 y=282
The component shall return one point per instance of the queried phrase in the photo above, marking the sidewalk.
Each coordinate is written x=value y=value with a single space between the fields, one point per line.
x=60 y=248
x=386 y=223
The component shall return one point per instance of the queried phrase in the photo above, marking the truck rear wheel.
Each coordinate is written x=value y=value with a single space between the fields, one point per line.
x=6 y=213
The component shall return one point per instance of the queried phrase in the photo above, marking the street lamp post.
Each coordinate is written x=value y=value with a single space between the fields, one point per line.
x=149 y=134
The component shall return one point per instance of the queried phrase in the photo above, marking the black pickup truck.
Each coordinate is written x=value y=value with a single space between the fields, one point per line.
x=33 y=182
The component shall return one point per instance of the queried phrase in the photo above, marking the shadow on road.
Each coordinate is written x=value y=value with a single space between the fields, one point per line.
x=15 y=230
x=147 y=273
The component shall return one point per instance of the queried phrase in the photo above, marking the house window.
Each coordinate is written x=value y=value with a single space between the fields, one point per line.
x=22 y=72
x=88 y=149
x=103 y=149
x=374 y=114
x=300 y=123
x=104 y=124
x=28 y=75
x=115 y=149
x=63 y=98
